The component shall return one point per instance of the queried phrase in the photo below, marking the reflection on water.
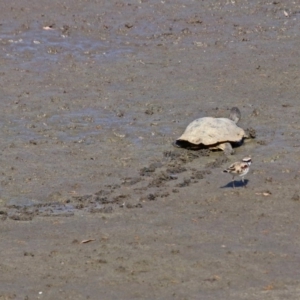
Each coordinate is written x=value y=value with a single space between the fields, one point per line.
x=50 y=45
x=36 y=50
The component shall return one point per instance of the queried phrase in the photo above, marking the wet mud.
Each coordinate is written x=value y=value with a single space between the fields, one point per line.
x=96 y=200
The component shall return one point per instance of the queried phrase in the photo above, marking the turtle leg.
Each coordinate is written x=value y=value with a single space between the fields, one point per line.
x=227 y=148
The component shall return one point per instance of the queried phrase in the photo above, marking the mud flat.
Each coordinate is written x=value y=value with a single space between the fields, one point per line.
x=96 y=202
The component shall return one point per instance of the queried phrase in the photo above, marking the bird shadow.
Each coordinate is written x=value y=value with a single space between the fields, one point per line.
x=237 y=184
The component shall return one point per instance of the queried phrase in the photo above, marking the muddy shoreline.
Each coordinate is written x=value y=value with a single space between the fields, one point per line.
x=94 y=197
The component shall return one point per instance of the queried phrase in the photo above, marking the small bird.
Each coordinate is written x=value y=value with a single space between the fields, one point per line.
x=239 y=168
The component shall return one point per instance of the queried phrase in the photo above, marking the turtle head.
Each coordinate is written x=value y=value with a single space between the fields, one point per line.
x=235 y=114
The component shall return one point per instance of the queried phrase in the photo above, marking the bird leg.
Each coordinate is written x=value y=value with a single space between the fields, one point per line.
x=243 y=181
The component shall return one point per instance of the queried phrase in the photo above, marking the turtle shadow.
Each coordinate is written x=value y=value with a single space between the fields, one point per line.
x=190 y=146
x=237 y=184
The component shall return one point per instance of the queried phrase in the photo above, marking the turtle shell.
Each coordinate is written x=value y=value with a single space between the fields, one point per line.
x=210 y=131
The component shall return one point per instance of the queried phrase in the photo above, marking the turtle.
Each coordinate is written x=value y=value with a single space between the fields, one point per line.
x=213 y=133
